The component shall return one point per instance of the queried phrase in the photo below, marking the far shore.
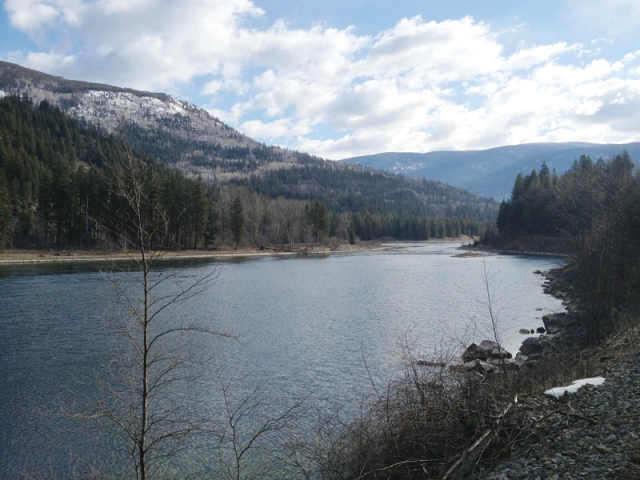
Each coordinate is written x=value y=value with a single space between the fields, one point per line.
x=92 y=256
x=8 y=257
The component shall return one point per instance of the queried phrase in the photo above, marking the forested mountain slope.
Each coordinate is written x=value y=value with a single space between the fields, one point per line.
x=490 y=173
x=275 y=172
x=55 y=187
x=55 y=192
x=180 y=135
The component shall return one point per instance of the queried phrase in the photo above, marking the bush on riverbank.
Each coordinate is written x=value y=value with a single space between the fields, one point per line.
x=436 y=422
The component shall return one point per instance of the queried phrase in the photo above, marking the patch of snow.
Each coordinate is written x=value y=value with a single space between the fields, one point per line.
x=574 y=387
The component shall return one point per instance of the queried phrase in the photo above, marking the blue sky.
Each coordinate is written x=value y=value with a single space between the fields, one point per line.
x=344 y=78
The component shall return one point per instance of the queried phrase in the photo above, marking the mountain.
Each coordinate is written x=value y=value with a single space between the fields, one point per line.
x=109 y=106
x=490 y=173
x=271 y=180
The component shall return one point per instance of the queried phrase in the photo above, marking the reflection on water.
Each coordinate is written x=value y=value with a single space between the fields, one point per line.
x=303 y=326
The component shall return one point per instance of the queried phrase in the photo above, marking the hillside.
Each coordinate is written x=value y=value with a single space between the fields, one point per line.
x=110 y=107
x=490 y=173
x=179 y=134
x=54 y=187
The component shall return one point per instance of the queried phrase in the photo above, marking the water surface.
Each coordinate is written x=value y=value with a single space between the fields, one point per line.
x=306 y=327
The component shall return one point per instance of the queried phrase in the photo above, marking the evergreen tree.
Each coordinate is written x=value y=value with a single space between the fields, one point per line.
x=5 y=210
x=237 y=221
x=319 y=218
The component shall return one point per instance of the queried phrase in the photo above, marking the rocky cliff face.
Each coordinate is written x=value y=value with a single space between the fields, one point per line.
x=109 y=106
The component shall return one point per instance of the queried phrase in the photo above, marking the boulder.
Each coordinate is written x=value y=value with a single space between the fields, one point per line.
x=540 y=330
x=524 y=331
x=487 y=350
x=500 y=353
x=470 y=354
x=484 y=367
x=506 y=363
x=520 y=359
x=531 y=347
x=487 y=345
x=556 y=321
x=493 y=350
x=475 y=366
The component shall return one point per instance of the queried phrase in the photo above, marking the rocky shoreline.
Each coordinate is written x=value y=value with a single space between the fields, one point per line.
x=561 y=332
x=592 y=434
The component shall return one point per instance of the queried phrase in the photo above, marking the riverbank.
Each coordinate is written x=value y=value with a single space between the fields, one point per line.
x=99 y=256
x=590 y=434
x=528 y=250
x=495 y=415
x=532 y=246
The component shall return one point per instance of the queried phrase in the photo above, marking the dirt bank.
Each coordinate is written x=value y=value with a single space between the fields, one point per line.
x=52 y=256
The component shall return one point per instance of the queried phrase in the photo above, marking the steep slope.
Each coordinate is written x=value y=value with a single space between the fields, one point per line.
x=490 y=172
x=110 y=106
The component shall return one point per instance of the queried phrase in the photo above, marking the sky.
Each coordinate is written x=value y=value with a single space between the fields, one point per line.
x=341 y=78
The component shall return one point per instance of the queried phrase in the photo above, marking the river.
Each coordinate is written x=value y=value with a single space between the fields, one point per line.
x=318 y=329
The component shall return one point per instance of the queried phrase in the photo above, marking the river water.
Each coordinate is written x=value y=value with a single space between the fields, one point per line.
x=320 y=329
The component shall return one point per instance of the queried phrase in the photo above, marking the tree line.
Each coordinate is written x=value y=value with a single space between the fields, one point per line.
x=56 y=192
x=595 y=209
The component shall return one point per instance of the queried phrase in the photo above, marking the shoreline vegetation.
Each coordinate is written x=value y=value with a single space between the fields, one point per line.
x=586 y=434
x=490 y=418
x=589 y=215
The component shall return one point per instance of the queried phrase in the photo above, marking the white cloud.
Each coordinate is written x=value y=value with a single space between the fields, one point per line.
x=211 y=88
x=433 y=52
x=526 y=58
x=29 y=15
x=416 y=86
x=275 y=129
x=48 y=62
x=147 y=44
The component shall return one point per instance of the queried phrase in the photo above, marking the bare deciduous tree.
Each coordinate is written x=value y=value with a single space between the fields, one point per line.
x=140 y=399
